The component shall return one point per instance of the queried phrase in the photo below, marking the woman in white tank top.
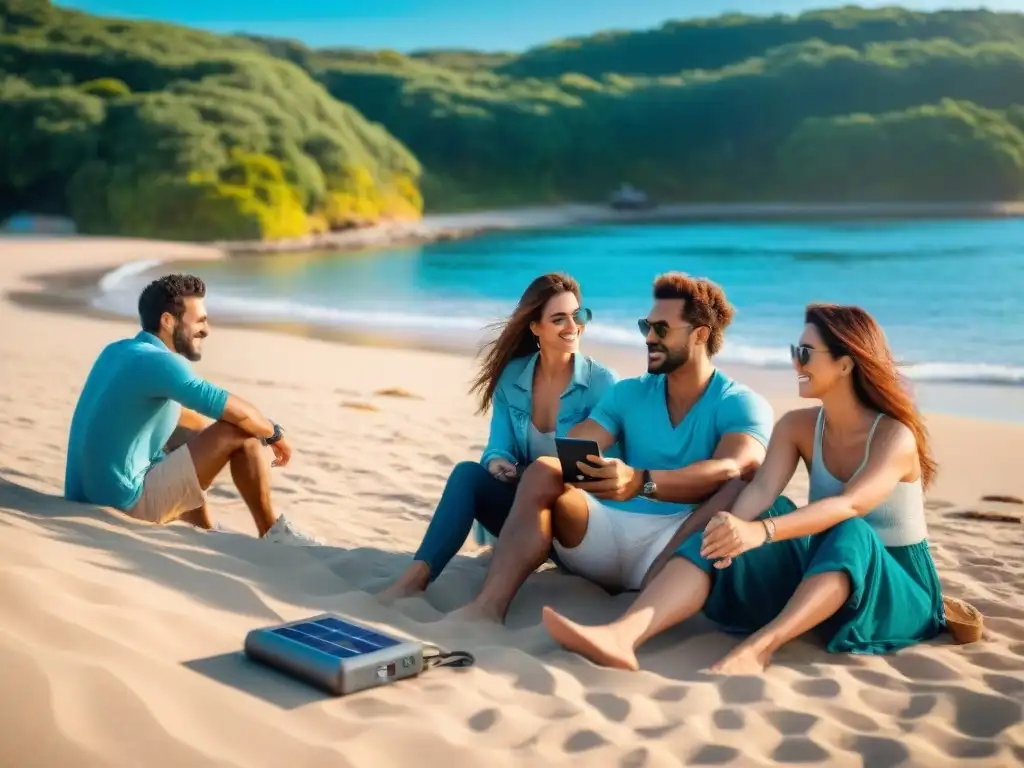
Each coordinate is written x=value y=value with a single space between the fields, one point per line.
x=854 y=563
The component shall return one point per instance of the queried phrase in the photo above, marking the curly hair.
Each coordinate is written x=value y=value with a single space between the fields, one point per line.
x=704 y=303
x=167 y=294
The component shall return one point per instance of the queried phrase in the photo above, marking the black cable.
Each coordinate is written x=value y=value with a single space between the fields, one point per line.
x=439 y=658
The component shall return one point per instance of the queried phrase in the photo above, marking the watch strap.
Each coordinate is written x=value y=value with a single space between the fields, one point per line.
x=278 y=434
x=649 y=488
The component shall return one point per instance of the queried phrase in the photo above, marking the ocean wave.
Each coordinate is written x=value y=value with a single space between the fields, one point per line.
x=112 y=281
x=468 y=324
x=736 y=352
x=364 y=319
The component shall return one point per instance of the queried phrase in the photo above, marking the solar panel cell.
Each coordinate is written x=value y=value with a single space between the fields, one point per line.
x=352 y=631
x=312 y=628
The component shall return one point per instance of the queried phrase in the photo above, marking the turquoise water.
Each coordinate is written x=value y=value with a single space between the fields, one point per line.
x=949 y=294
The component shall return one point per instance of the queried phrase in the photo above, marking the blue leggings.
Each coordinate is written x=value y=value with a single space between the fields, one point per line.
x=471 y=493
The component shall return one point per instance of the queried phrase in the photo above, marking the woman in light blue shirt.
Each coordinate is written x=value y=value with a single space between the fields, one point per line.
x=538 y=386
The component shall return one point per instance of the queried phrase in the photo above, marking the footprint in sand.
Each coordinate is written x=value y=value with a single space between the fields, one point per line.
x=920 y=705
x=671 y=693
x=357 y=405
x=397 y=392
x=982 y=715
x=792 y=723
x=611 y=706
x=714 y=754
x=799 y=750
x=484 y=720
x=728 y=719
x=1003 y=499
x=1011 y=687
x=990 y=516
x=818 y=689
x=581 y=741
x=879 y=752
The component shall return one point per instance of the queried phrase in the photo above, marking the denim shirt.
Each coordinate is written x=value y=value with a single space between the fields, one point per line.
x=512 y=405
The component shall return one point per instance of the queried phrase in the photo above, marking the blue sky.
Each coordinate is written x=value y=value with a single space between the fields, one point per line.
x=405 y=25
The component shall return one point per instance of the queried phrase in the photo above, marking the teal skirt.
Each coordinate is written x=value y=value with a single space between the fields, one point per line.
x=895 y=596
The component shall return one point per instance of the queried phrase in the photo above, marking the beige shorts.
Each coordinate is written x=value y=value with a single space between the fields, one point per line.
x=171 y=489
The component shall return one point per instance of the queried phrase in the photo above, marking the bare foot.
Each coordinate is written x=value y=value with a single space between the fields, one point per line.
x=476 y=613
x=602 y=645
x=410 y=584
x=747 y=658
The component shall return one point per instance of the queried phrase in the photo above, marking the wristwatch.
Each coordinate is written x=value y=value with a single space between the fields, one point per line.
x=278 y=434
x=650 y=488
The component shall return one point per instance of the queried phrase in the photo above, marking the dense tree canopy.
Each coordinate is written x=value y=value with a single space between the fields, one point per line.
x=158 y=130
x=704 y=110
x=718 y=42
x=154 y=129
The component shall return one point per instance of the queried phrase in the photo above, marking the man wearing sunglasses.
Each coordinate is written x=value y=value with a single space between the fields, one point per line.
x=691 y=437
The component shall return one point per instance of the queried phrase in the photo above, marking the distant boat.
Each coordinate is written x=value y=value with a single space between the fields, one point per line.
x=629 y=198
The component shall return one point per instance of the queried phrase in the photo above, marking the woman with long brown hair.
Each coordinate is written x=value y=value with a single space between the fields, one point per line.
x=538 y=386
x=854 y=562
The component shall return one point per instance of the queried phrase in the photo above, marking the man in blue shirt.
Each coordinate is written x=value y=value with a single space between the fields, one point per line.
x=139 y=391
x=690 y=435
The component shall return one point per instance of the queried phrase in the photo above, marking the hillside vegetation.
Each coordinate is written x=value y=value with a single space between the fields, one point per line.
x=160 y=131
x=890 y=105
x=156 y=129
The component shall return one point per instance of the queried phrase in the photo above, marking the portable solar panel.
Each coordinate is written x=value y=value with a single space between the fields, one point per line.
x=336 y=655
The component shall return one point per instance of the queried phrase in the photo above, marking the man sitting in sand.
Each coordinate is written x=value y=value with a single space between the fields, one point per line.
x=690 y=434
x=138 y=392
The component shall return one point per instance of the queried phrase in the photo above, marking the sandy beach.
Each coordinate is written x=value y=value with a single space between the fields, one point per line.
x=120 y=642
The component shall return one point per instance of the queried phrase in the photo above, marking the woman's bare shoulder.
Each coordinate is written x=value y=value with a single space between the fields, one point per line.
x=895 y=436
x=799 y=421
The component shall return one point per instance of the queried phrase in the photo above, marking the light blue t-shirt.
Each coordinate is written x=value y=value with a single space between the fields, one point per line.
x=128 y=409
x=635 y=411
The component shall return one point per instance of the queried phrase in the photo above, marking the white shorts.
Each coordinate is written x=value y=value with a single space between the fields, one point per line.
x=619 y=547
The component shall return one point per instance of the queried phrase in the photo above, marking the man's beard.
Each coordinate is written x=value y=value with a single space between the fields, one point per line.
x=673 y=359
x=183 y=344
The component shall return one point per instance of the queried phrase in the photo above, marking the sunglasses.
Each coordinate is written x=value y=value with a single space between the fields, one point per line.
x=801 y=353
x=660 y=327
x=581 y=316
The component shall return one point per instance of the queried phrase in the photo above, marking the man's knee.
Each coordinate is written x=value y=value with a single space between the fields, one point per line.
x=252 y=448
x=229 y=433
x=223 y=439
x=543 y=480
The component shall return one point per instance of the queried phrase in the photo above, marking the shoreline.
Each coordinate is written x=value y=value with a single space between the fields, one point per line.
x=437 y=227
x=71 y=291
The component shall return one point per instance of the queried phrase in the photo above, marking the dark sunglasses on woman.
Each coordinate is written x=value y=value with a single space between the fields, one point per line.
x=801 y=353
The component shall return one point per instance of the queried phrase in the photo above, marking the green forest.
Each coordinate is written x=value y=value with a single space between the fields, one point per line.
x=158 y=130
